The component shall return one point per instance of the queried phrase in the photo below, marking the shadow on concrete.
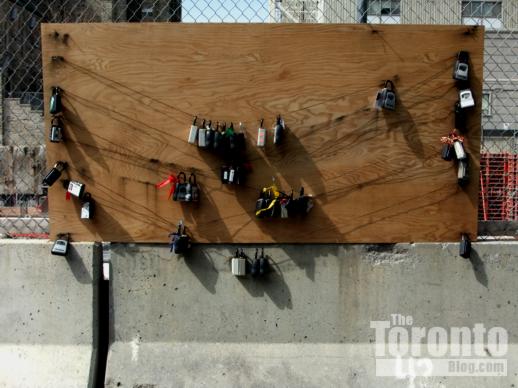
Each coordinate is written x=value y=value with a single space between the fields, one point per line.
x=305 y=261
x=273 y=285
x=77 y=266
x=479 y=268
x=203 y=268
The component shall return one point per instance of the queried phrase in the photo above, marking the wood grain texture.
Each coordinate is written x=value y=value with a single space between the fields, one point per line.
x=130 y=91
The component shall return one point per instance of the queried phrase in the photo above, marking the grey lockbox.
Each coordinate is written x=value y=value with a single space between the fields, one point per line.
x=462 y=170
x=193 y=133
x=201 y=136
x=386 y=97
x=238 y=266
x=85 y=211
x=459 y=150
x=461 y=71
x=60 y=246
x=76 y=188
x=87 y=207
x=56 y=131
x=466 y=99
x=461 y=68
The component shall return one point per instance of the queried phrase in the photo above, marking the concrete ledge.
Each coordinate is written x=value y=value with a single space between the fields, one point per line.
x=258 y=365
x=47 y=315
x=188 y=321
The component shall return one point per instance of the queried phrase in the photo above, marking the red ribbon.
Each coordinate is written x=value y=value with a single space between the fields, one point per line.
x=170 y=180
x=67 y=196
x=451 y=138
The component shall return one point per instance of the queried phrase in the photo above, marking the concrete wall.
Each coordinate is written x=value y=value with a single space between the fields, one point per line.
x=48 y=315
x=22 y=169
x=189 y=322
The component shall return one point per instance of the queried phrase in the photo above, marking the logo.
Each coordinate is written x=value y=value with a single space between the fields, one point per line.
x=406 y=351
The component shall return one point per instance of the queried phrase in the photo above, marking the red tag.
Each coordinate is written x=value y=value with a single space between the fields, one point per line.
x=67 y=196
x=170 y=180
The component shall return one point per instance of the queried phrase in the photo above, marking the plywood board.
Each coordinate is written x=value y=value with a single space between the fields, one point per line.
x=130 y=91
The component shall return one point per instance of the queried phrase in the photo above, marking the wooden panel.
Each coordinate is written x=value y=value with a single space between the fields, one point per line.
x=130 y=91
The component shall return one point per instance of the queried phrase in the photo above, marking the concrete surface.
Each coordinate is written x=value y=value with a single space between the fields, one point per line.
x=189 y=322
x=47 y=315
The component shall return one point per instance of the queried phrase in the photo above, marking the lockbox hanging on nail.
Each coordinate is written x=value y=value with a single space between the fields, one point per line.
x=54 y=174
x=180 y=241
x=192 y=189
x=225 y=170
x=239 y=141
x=60 y=246
x=201 y=136
x=87 y=207
x=447 y=152
x=56 y=131
x=278 y=131
x=238 y=264
x=461 y=69
x=465 y=246
x=193 y=132
x=55 y=105
x=254 y=269
x=261 y=135
x=386 y=97
x=76 y=188
x=219 y=138
x=230 y=134
x=462 y=172
x=232 y=174
x=460 y=153
x=466 y=99
x=209 y=135
x=264 y=264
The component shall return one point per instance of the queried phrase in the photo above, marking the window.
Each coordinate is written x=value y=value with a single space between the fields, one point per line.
x=486 y=13
x=486 y=104
x=384 y=11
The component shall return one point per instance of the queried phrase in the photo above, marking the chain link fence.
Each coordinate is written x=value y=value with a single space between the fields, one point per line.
x=23 y=204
